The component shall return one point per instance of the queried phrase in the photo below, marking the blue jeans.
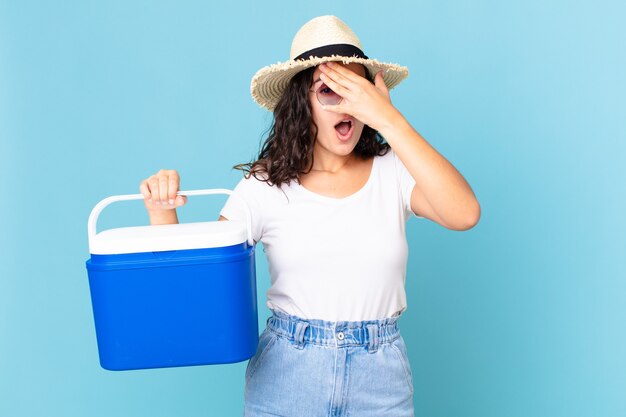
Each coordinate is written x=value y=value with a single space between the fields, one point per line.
x=318 y=368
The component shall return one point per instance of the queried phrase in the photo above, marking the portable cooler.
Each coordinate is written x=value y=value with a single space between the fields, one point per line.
x=173 y=295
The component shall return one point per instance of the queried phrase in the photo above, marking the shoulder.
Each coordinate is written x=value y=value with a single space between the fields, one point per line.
x=388 y=160
x=391 y=158
x=391 y=167
x=389 y=154
x=254 y=181
x=257 y=187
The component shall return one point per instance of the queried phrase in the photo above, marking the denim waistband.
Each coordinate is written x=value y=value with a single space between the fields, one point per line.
x=370 y=333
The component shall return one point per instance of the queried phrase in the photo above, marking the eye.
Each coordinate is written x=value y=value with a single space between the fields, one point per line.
x=325 y=90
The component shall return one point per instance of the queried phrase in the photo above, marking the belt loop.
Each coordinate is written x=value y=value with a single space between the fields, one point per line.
x=301 y=327
x=372 y=332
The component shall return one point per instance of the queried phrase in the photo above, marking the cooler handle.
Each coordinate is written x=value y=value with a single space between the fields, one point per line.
x=95 y=212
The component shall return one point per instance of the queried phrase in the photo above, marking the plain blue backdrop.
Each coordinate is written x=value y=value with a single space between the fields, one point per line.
x=522 y=316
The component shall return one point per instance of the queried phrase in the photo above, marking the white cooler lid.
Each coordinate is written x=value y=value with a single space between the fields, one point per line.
x=168 y=237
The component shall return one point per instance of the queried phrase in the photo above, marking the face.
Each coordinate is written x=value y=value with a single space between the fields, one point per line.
x=337 y=133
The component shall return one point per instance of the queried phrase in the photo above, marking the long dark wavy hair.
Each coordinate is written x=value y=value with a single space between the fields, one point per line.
x=288 y=150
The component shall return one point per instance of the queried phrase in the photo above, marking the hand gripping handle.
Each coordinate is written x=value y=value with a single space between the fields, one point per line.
x=95 y=212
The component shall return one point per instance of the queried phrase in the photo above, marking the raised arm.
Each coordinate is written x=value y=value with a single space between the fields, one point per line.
x=440 y=193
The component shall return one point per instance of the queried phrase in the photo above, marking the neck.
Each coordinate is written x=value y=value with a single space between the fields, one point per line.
x=327 y=162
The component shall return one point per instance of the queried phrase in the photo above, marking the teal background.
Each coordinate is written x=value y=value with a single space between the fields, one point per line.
x=523 y=315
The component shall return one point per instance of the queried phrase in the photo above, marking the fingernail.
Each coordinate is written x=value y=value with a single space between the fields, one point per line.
x=171 y=201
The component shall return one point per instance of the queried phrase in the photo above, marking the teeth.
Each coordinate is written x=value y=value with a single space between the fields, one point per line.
x=345 y=121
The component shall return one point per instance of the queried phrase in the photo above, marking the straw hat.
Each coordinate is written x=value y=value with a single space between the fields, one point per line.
x=322 y=39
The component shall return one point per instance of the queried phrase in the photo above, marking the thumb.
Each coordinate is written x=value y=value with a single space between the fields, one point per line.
x=180 y=201
x=379 y=81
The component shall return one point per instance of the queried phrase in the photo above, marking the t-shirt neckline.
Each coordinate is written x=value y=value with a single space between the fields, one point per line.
x=346 y=198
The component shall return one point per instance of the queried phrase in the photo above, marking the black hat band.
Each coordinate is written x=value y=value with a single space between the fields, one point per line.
x=340 y=49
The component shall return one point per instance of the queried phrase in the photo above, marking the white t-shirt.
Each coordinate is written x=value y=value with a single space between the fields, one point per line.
x=334 y=259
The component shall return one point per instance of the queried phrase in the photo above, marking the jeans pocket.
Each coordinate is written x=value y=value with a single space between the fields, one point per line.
x=266 y=340
x=399 y=347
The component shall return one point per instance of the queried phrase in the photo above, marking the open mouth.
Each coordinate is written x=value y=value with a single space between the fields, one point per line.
x=344 y=129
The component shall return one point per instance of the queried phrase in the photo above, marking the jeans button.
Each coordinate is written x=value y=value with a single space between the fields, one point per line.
x=340 y=336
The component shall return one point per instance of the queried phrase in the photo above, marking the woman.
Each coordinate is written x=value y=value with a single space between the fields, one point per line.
x=329 y=200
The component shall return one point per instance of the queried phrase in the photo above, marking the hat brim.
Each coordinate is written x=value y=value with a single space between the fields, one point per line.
x=269 y=83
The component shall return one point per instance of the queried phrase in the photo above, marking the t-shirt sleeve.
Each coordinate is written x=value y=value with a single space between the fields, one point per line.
x=250 y=191
x=407 y=183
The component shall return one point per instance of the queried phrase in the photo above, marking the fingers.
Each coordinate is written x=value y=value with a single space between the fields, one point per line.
x=341 y=74
x=333 y=85
x=338 y=78
x=160 y=190
x=172 y=187
x=336 y=108
x=163 y=183
x=351 y=85
x=350 y=80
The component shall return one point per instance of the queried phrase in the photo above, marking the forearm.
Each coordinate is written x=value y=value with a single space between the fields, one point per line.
x=447 y=192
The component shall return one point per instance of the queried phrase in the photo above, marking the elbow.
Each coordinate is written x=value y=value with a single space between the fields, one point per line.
x=470 y=219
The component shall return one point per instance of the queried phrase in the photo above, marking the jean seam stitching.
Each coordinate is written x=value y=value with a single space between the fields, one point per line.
x=407 y=375
x=261 y=356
